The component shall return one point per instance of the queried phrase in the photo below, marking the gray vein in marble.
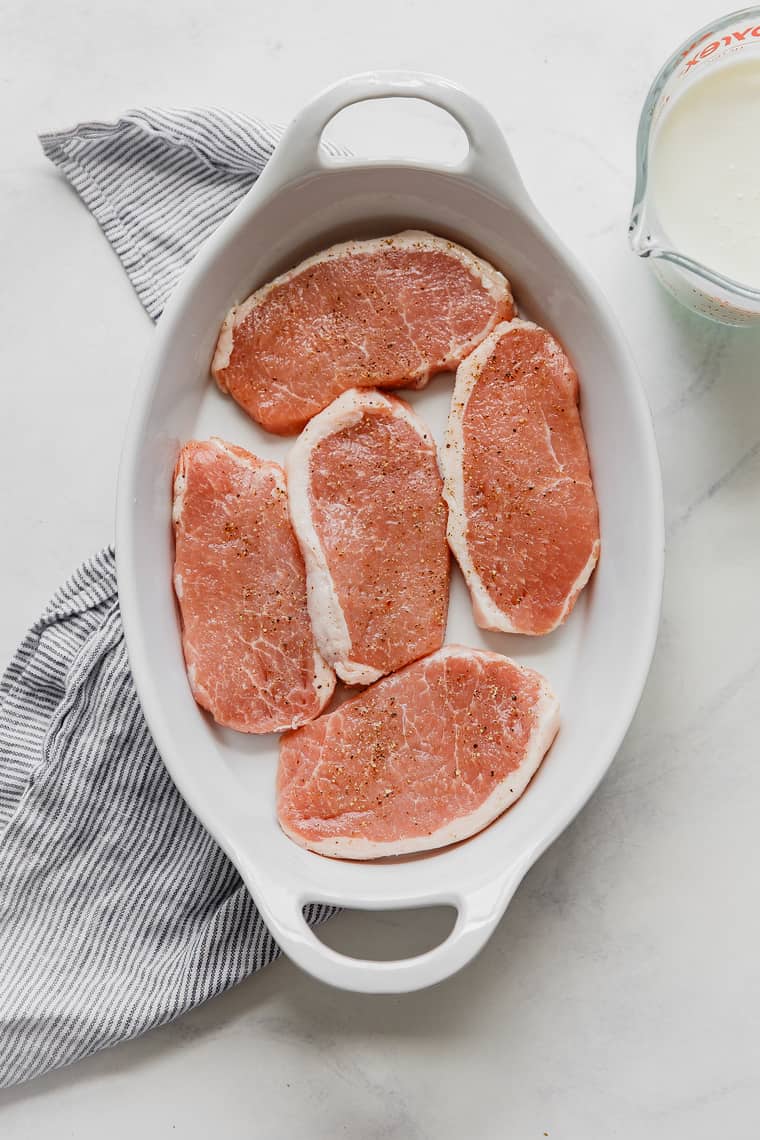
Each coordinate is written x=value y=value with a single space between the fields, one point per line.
x=635 y=775
x=705 y=373
x=722 y=481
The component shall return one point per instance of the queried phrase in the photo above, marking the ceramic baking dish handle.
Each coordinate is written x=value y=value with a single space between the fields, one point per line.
x=488 y=162
x=478 y=912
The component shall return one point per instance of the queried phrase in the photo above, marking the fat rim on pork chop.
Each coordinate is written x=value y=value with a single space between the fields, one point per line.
x=364 y=492
x=240 y=584
x=423 y=758
x=382 y=313
x=523 y=518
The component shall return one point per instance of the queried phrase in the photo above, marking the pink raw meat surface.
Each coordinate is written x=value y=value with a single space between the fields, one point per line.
x=523 y=518
x=423 y=758
x=241 y=586
x=384 y=313
x=365 y=503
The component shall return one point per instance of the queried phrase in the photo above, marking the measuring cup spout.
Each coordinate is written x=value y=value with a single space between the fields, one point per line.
x=642 y=241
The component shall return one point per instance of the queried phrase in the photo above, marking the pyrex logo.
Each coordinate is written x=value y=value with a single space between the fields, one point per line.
x=728 y=40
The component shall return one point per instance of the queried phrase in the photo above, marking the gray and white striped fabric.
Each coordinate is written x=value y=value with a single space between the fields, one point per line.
x=117 y=910
x=159 y=182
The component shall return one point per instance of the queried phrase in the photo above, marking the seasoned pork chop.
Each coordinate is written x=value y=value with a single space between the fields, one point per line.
x=423 y=758
x=523 y=519
x=384 y=313
x=365 y=503
x=241 y=586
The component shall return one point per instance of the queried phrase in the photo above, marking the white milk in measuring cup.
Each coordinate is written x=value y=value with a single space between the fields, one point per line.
x=696 y=212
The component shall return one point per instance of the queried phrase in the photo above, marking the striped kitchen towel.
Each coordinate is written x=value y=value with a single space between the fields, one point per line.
x=118 y=911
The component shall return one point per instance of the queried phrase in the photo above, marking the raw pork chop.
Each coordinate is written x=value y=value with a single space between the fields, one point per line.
x=385 y=313
x=365 y=503
x=523 y=519
x=241 y=586
x=423 y=758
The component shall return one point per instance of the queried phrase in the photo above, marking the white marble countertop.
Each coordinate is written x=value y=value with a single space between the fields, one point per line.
x=621 y=995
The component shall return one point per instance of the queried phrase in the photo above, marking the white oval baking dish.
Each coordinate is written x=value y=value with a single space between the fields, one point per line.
x=597 y=663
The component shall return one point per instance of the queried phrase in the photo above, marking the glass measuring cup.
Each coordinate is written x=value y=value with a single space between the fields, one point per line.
x=695 y=285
